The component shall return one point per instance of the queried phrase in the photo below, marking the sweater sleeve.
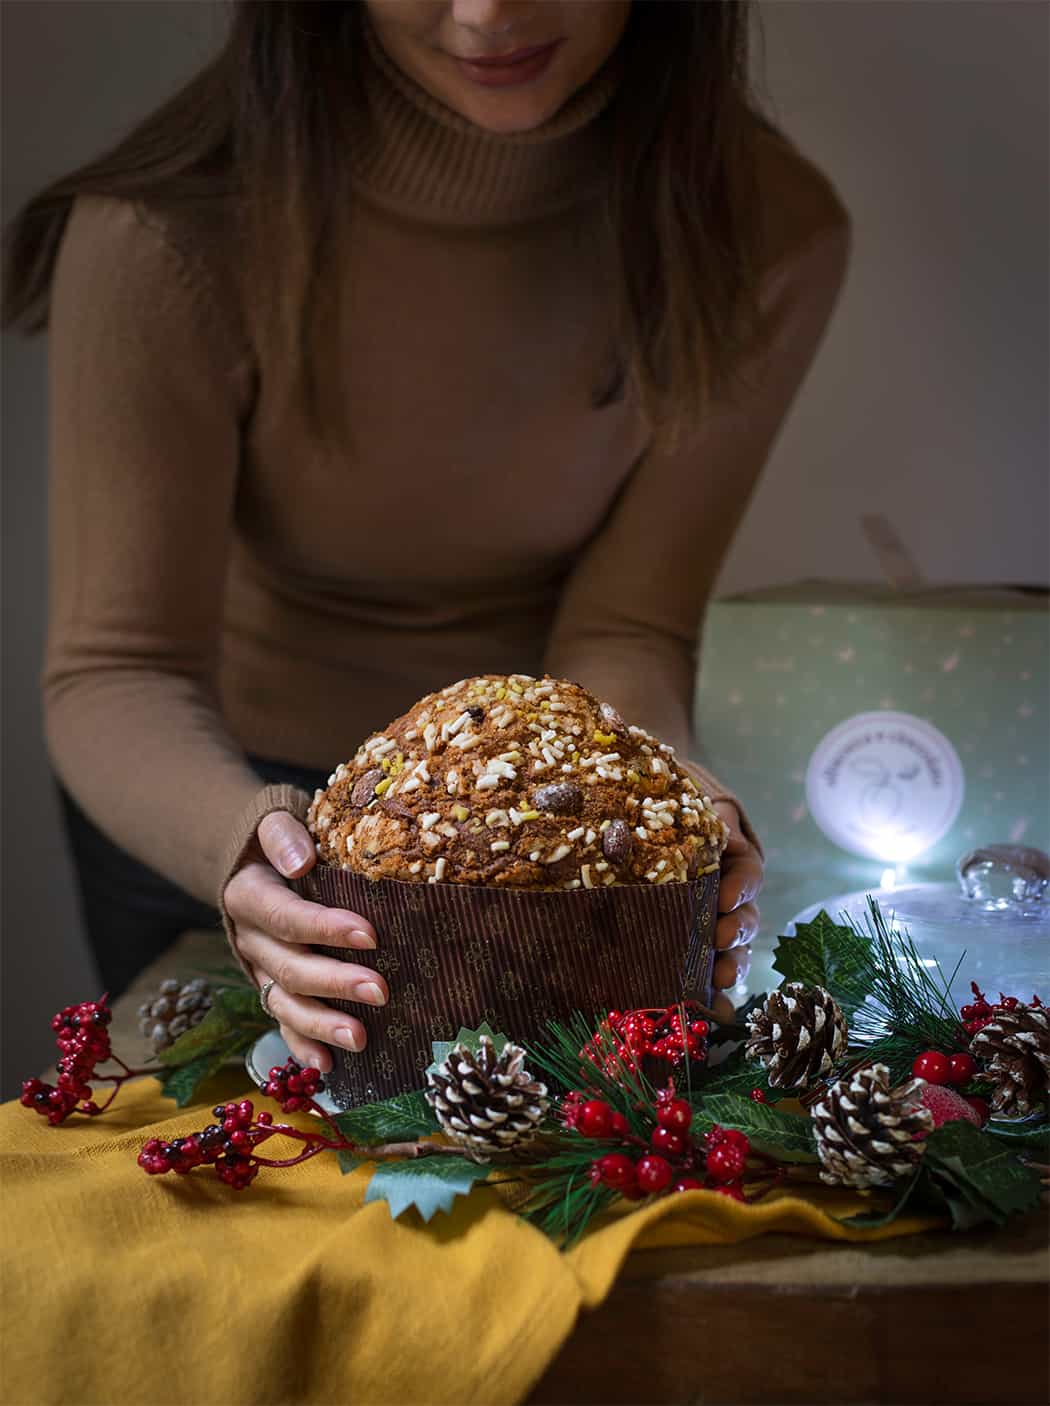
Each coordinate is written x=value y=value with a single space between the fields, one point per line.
x=629 y=618
x=148 y=390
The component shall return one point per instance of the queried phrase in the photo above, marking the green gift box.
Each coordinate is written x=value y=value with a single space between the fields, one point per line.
x=869 y=729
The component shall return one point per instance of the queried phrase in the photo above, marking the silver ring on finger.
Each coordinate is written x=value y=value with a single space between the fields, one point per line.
x=264 y=998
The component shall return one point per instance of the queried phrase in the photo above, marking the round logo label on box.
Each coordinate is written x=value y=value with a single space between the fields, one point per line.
x=885 y=785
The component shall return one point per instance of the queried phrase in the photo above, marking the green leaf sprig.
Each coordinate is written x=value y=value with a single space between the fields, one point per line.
x=232 y=1025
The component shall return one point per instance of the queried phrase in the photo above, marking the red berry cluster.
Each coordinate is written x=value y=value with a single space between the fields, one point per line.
x=83 y=1042
x=937 y=1068
x=981 y=1012
x=225 y=1144
x=672 y=1160
x=670 y=1034
x=230 y=1143
x=958 y=1069
x=292 y=1087
x=592 y=1117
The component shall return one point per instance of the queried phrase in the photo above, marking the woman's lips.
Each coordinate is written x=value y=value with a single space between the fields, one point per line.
x=508 y=70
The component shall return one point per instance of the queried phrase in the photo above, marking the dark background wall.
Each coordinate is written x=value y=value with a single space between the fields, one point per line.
x=928 y=403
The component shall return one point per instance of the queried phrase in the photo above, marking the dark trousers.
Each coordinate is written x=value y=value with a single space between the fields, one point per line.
x=132 y=914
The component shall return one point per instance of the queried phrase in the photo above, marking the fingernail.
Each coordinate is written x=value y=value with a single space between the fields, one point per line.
x=361 y=938
x=349 y=1039
x=373 y=994
x=292 y=859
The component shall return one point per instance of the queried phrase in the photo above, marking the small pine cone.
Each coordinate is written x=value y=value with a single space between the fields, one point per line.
x=487 y=1101
x=867 y=1133
x=175 y=1009
x=1015 y=1049
x=798 y=1035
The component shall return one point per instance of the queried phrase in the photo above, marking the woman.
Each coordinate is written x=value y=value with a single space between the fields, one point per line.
x=413 y=339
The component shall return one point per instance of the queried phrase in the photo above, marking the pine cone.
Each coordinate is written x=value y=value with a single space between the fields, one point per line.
x=174 y=1010
x=1015 y=1048
x=798 y=1035
x=867 y=1133
x=487 y=1101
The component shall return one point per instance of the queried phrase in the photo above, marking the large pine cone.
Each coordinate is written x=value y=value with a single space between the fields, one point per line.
x=867 y=1133
x=1015 y=1048
x=176 y=1008
x=487 y=1101
x=798 y=1035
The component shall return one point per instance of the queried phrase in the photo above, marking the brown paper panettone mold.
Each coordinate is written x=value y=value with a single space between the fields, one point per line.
x=455 y=955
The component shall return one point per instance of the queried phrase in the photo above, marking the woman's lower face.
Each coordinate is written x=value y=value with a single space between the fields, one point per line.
x=505 y=65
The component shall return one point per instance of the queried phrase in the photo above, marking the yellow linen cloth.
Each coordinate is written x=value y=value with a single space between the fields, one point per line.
x=119 y=1287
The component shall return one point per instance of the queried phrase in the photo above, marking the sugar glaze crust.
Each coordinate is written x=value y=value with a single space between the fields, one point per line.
x=516 y=781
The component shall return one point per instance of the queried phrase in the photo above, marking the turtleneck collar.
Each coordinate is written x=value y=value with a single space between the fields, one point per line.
x=417 y=157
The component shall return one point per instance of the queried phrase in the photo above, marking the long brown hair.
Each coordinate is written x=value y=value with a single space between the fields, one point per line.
x=260 y=128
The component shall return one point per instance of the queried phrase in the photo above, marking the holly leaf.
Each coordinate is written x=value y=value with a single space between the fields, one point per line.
x=182 y=1083
x=349 y=1161
x=233 y=1022
x=426 y=1184
x=471 y=1038
x=1024 y=1139
x=786 y=1136
x=981 y=1173
x=395 y=1120
x=828 y=954
x=872 y=1220
x=240 y=1003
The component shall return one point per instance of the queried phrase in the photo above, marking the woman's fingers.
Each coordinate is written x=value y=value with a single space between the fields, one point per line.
x=737 y=926
x=303 y=1020
x=306 y=1051
x=731 y=968
x=287 y=844
x=737 y=929
x=309 y=974
x=723 y=1008
x=740 y=882
x=742 y=867
x=256 y=897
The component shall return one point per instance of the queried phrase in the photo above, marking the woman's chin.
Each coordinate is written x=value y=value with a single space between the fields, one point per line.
x=504 y=112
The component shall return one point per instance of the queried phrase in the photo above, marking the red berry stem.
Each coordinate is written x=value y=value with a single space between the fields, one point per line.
x=231 y=1144
x=118 y=1081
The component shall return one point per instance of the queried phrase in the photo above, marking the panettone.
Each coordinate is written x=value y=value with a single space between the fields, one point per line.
x=518 y=782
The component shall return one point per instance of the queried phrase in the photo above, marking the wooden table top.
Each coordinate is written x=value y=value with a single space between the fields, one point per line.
x=937 y=1318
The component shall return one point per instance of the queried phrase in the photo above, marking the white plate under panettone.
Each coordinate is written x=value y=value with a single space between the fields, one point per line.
x=270 y=1050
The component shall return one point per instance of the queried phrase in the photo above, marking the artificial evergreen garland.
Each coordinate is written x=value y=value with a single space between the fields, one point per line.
x=608 y=1132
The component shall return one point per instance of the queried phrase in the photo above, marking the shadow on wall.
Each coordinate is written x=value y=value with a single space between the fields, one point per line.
x=97 y=68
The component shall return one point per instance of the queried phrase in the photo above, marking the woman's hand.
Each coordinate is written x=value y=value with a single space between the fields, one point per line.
x=274 y=931
x=741 y=880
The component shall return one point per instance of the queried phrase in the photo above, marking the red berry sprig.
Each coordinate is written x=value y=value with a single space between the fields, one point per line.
x=230 y=1143
x=980 y=1012
x=82 y=1037
x=958 y=1069
x=668 y=1034
x=672 y=1160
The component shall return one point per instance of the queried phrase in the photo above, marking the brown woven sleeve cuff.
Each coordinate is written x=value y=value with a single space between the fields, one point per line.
x=239 y=849
x=714 y=790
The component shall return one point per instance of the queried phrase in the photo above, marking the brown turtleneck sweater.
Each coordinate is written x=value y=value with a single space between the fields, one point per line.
x=220 y=585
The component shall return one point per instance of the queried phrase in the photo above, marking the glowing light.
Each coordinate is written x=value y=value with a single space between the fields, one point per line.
x=893 y=878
